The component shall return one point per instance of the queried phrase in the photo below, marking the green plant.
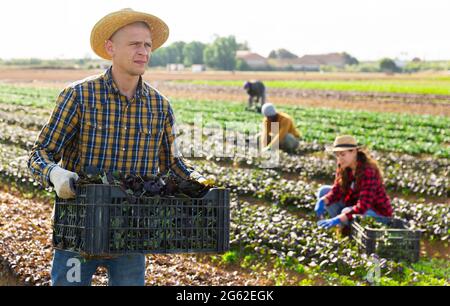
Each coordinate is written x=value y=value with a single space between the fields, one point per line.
x=230 y=257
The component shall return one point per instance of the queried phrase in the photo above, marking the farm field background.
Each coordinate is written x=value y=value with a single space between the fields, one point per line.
x=429 y=86
x=405 y=119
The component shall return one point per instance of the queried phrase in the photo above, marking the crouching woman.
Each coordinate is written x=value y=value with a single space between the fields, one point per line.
x=358 y=188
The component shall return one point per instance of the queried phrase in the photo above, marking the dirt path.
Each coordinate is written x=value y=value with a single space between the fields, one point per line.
x=25 y=246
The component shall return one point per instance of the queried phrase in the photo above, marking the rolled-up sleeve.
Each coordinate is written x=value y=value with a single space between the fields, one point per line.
x=54 y=136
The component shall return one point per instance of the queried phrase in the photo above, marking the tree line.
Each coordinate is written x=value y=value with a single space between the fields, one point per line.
x=220 y=54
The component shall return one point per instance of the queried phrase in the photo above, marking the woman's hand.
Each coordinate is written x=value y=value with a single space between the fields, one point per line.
x=329 y=223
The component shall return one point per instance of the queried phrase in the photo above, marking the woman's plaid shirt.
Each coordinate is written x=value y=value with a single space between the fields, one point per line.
x=94 y=125
x=370 y=194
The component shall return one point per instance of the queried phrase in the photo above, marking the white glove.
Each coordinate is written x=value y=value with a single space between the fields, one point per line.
x=61 y=181
x=201 y=179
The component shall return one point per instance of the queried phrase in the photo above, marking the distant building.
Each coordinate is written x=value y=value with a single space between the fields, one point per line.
x=311 y=62
x=308 y=64
x=253 y=60
x=175 y=67
x=198 y=68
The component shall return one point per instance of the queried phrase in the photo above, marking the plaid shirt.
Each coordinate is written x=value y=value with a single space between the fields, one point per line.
x=370 y=194
x=93 y=124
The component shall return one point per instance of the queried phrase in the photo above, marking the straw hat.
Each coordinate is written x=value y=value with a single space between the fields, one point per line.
x=344 y=143
x=108 y=25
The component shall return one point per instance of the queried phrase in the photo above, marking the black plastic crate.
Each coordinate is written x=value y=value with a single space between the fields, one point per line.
x=102 y=220
x=397 y=242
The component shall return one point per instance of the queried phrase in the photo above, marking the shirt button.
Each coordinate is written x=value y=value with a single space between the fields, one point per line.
x=123 y=149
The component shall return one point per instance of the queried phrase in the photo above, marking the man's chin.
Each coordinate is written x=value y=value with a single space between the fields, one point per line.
x=137 y=71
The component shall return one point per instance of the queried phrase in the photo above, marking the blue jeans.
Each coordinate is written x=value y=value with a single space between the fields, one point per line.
x=70 y=269
x=337 y=208
x=289 y=143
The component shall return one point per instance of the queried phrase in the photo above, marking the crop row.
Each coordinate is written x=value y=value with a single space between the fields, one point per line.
x=262 y=184
x=412 y=134
x=301 y=195
x=271 y=232
x=403 y=173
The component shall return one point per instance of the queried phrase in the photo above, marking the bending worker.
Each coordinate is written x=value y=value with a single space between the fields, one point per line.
x=256 y=92
x=287 y=136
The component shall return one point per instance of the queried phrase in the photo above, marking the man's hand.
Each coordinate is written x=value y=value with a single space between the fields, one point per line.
x=329 y=223
x=61 y=180
x=206 y=182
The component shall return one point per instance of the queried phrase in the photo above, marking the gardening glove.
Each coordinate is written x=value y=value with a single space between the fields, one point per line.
x=320 y=207
x=206 y=182
x=329 y=223
x=63 y=181
x=201 y=179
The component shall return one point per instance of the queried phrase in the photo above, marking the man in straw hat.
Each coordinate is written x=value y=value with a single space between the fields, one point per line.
x=113 y=121
x=358 y=188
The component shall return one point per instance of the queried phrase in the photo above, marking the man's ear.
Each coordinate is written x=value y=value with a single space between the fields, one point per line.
x=109 y=47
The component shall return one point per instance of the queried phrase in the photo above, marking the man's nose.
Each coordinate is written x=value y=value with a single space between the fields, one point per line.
x=143 y=51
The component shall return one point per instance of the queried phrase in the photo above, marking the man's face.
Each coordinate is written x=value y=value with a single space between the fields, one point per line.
x=130 y=48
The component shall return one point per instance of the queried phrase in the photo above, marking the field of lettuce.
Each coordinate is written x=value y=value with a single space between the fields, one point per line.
x=274 y=233
x=434 y=86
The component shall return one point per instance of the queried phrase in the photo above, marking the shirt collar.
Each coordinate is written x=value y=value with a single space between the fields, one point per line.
x=141 y=89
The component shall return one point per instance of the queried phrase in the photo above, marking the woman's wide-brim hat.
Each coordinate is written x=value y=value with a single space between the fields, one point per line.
x=108 y=25
x=344 y=143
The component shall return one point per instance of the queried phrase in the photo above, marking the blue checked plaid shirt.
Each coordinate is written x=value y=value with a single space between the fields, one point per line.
x=93 y=124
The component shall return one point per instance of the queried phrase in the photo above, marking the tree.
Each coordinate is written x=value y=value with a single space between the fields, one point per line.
x=159 y=58
x=172 y=54
x=273 y=54
x=193 y=53
x=243 y=46
x=242 y=65
x=350 y=60
x=282 y=54
x=221 y=54
x=175 y=53
x=388 y=65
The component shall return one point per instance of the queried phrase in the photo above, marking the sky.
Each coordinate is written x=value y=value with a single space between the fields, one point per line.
x=366 y=29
